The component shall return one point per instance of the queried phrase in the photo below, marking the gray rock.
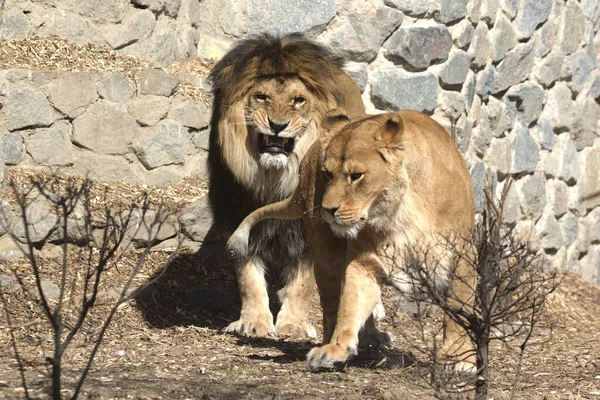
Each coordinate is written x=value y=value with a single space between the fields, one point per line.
x=591 y=176
x=590 y=266
x=154 y=5
x=512 y=207
x=545 y=37
x=189 y=113
x=592 y=88
x=451 y=103
x=359 y=34
x=78 y=232
x=558 y=111
x=529 y=99
x=510 y=7
x=414 y=8
x=525 y=151
x=499 y=156
x=474 y=11
x=2 y=172
x=569 y=225
x=172 y=8
x=99 y=11
x=593 y=218
x=137 y=25
x=218 y=22
x=418 y=45
x=532 y=195
x=41 y=78
x=478 y=177
x=72 y=93
x=451 y=11
x=12 y=145
x=480 y=49
x=15 y=25
x=200 y=140
x=115 y=88
x=196 y=220
x=9 y=250
x=148 y=227
x=575 y=69
x=26 y=107
x=481 y=136
x=550 y=232
x=547 y=71
x=149 y=110
x=500 y=119
x=165 y=144
x=40 y=223
x=106 y=167
x=563 y=161
x=400 y=90
x=591 y=10
x=52 y=146
x=515 y=67
x=526 y=232
x=462 y=33
x=68 y=25
x=572 y=26
x=277 y=16
x=6 y=217
x=486 y=80
x=468 y=89
x=49 y=289
x=454 y=71
x=105 y=128
x=488 y=10
x=530 y=15
x=359 y=72
x=502 y=37
x=557 y=196
x=576 y=202
x=7 y=283
x=157 y=82
x=584 y=130
x=543 y=134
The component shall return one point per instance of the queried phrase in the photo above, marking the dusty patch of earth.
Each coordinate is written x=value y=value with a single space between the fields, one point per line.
x=168 y=344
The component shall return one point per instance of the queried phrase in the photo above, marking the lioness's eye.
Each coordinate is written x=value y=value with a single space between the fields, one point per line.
x=327 y=175
x=260 y=97
x=356 y=176
x=298 y=101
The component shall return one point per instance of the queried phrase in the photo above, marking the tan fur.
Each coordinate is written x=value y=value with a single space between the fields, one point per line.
x=393 y=180
x=261 y=81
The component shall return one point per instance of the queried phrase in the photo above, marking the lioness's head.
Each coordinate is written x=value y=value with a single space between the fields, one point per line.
x=363 y=174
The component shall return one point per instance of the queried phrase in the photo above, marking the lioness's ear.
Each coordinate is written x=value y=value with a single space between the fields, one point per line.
x=391 y=131
x=334 y=120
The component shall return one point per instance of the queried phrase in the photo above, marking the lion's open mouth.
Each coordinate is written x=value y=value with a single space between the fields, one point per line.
x=275 y=145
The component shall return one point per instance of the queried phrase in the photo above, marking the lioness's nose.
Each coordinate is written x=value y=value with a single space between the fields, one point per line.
x=276 y=128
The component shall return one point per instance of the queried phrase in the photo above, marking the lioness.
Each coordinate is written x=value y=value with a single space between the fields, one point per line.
x=387 y=180
x=270 y=95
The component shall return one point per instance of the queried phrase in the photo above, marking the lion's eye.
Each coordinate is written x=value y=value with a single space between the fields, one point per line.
x=298 y=101
x=261 y=98
x=327 y=175
x=355 y=177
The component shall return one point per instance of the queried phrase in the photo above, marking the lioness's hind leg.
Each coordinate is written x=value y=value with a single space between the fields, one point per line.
x=256 y=318
x=371 y=338
x=295 y=298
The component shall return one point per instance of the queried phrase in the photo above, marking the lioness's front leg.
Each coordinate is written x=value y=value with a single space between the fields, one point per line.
x=256 y=318
x=295 y=298
x=361 y=291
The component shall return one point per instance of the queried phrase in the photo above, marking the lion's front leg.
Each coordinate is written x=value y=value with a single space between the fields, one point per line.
x=256 y=318
x=295 y=298
x=360 y=294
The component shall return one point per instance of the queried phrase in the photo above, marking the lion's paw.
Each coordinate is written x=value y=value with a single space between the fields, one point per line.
x=328 y=356
x=376 y=340
x=297 y=330
x=252 y=327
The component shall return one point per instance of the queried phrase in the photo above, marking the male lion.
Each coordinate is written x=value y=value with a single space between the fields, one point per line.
x=270 y=95
x=392 y=180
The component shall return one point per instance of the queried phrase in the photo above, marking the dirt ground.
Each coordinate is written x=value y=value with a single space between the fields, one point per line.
x=169 y=344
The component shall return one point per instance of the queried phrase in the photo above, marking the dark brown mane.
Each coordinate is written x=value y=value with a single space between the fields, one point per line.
x=264 y=56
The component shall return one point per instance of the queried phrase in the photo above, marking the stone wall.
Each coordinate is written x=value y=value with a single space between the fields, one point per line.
x=519 y=77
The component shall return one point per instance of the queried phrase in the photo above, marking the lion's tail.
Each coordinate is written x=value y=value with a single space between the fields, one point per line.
x=287 y=209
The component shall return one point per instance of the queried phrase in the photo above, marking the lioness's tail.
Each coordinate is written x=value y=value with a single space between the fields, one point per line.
x=287 y=209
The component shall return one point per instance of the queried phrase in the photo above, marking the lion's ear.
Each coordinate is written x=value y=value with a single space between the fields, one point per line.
x=334 y=120
x=391 y=131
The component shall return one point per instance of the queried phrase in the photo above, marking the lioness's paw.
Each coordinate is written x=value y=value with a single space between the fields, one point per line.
x=376 y=340
x=248 y=327
x=297 y=330
x=328 y=356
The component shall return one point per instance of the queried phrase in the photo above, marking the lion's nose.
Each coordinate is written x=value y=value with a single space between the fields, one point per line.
x=331 y=210
x=276 y=128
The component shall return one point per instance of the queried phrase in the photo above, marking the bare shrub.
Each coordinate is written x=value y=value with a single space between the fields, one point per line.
x=507 y=301
x=92 y=238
